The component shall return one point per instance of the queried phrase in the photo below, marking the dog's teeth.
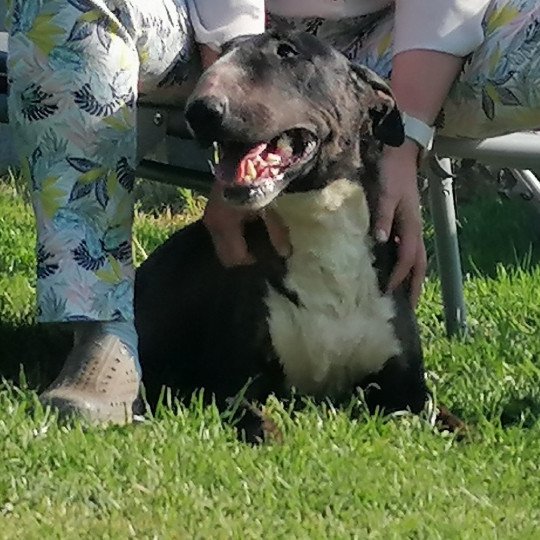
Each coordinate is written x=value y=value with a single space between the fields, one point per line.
x=251 y=171
x=273 y=159
x=217 y=152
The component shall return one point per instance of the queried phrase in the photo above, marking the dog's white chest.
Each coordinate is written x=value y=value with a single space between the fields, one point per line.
x=341 y=329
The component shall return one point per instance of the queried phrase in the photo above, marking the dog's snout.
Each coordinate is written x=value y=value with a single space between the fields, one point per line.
x=206 y=114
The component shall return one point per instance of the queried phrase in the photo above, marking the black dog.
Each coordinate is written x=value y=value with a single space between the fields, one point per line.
x=299 y=129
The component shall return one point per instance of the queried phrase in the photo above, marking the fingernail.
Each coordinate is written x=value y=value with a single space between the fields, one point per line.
x=381 y=236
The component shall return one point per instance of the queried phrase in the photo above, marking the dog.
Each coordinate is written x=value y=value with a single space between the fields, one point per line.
x=300 y=130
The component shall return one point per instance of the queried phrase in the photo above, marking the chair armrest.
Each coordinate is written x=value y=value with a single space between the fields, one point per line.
x=517 y=150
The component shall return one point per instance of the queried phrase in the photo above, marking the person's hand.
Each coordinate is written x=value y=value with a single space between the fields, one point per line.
x=226 y=226
x=399 y=205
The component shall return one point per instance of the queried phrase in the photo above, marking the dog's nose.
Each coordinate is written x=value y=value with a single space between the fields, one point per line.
x=205 y=115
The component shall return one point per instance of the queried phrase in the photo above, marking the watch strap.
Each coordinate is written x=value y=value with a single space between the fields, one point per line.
x=418 y=131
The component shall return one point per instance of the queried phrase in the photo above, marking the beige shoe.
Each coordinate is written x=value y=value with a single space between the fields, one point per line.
x=98 y=382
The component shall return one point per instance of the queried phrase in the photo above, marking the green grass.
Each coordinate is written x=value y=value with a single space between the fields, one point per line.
x=183 y=475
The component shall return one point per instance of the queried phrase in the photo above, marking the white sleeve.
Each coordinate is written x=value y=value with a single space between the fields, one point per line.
x=216 y=21
x=451 y=26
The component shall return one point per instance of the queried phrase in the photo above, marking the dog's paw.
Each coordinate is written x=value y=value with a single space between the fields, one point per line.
x=256 y=427
x=447 y=421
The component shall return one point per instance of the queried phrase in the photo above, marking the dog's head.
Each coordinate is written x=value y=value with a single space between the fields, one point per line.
x=288 y=113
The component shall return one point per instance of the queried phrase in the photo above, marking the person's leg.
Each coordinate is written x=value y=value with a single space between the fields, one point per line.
x=73 y=83
x=499 y=89
x=74 y=69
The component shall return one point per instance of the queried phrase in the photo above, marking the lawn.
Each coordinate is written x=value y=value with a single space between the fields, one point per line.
x=183 y=475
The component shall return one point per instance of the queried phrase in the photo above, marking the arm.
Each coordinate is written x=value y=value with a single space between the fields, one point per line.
x=420 y=81
x=431 y=39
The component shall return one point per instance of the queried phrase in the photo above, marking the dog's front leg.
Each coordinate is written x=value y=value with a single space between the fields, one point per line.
x=399 y=386
x=253 y=425
x=246 y=411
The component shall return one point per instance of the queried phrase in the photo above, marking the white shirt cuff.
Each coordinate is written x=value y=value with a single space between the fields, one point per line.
x=217 y=21
x=451 y=26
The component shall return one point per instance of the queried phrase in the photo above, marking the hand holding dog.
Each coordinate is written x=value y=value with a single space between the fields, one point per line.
x=399 y=213
x=421 y=80
x=226 y=226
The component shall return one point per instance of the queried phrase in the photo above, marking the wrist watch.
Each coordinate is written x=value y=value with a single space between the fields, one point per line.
x=418 y=131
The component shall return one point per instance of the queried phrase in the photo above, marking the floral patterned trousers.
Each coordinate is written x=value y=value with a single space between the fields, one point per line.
x=77 y=68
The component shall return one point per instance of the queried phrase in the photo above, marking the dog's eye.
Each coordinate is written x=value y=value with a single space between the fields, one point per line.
x=285 y=50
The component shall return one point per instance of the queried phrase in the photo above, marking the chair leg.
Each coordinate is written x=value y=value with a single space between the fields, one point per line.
x=530 y=184
x=441 y=196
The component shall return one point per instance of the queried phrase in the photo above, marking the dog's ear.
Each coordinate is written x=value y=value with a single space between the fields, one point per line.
x=385 y=116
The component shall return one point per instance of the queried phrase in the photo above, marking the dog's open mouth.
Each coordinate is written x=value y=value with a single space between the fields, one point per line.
x=253 y=175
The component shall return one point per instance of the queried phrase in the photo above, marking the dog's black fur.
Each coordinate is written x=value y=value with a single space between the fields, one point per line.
x=202 y=325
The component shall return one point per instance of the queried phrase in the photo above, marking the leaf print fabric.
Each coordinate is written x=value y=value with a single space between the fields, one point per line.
x=74 y=68
x=77 y=67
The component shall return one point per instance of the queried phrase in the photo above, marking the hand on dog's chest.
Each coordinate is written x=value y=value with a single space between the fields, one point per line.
x=341 y=329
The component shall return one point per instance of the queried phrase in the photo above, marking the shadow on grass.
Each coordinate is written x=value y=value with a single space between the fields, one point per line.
x=491 y=233
x=32 y=353
x=521 y=411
